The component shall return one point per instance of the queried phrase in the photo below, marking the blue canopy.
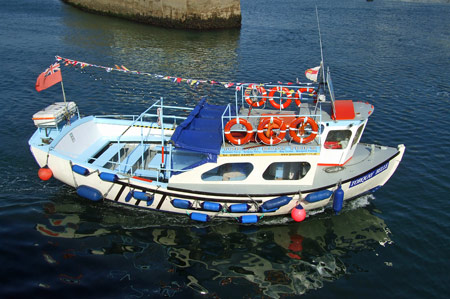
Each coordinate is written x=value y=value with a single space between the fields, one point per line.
x=202 y=130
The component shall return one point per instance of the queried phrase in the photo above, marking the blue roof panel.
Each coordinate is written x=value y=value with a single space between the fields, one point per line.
x=202 y=130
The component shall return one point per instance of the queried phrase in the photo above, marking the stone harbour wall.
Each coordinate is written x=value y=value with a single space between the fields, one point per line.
x=187 y=14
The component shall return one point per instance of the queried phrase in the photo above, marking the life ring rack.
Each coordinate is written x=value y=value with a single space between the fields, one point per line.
x=238 y=140
x=248 y=97
x=297 y=133
x=266 y=136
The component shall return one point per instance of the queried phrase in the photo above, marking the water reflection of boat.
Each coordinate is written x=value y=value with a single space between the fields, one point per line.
x=277 y=259
x=302 y=260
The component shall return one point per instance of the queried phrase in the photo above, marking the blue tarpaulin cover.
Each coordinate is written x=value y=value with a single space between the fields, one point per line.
x=202 y=130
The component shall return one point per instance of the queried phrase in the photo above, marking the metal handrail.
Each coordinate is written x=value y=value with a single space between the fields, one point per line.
x=140 y=120
x=240 y=96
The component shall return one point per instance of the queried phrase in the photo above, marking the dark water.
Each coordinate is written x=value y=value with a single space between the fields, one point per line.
x=394 y=54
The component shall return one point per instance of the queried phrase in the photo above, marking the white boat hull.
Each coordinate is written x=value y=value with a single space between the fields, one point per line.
x=118 y=191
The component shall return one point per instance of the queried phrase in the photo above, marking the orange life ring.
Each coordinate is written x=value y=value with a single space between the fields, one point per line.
x=282 y=90
x=268 y=124
x=299 y=92
x=236 y=140
x=297 y=133
x=248 y=97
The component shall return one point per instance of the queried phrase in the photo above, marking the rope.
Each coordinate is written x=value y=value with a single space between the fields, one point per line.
x=254 y=202
x=73 y=175
x=225 y=210
x=95 y=171
x=107 y=192
x=48 y=154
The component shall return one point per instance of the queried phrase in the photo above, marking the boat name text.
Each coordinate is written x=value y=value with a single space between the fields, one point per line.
x=368 y=176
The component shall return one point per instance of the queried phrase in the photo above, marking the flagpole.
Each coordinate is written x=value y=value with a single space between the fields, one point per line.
x=64 y=94
x=65 y=102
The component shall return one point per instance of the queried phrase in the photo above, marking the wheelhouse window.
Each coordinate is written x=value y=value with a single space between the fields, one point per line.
x=228 y=172
x=357 y=135
x=338 y=139
x=286 y=170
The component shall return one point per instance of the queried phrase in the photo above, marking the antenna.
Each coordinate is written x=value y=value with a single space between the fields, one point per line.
x=321 y=50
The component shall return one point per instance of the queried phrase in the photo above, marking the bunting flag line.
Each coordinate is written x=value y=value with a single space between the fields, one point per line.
x=190 y=82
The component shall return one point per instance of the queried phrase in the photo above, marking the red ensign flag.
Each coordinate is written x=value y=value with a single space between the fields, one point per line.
x=49 y=77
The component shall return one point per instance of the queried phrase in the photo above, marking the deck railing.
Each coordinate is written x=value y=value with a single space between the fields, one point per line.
x=254 y=104
x=154 y=115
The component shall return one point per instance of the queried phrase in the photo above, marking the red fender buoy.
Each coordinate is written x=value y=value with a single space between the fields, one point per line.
x=298 y=213
x=45 y=173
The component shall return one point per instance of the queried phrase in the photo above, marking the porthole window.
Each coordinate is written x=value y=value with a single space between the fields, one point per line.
x=338 y=139
x=228 y=172
x=286 y=171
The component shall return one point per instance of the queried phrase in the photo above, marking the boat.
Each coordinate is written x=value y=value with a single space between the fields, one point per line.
x=275 y=150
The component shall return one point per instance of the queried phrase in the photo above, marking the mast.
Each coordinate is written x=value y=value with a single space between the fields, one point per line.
x=320 y=38
x=322 y=64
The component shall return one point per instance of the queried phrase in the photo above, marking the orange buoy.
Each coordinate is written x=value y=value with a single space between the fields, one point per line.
x=269 y=136
x=299 y=92
x=250 y=94
x=238 y=140
x=281 y=90
x=298 y=98
x=45 y=173
x=297 y=129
